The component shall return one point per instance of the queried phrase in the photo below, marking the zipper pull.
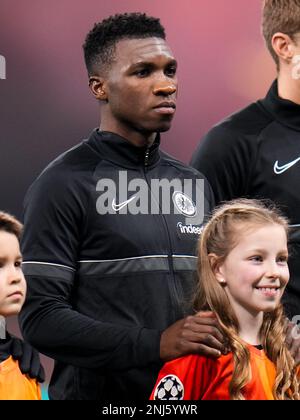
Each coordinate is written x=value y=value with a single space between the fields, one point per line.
x=147 y=156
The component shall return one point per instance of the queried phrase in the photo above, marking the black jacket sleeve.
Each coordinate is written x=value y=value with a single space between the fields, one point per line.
x=227 y=159
x=54 y=217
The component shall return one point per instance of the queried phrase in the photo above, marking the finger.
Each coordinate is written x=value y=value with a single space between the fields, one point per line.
x=204 y=326
x=210 y=330
x=16 y=348
x=35 y=364
x=202 y=320
x=203 y=338
x=206 y=351
x=25 y=358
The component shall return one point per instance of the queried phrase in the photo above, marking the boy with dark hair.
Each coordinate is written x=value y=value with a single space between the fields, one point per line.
x=255 y=152
x=109 y=275
x=14 y=385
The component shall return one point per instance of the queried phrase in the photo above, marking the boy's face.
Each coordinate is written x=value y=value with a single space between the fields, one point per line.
x=12 y=281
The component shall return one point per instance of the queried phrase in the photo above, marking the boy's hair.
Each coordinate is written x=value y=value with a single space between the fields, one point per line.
x=100 y=42
x=280 y=16
x=10 y=224
x=219 y=236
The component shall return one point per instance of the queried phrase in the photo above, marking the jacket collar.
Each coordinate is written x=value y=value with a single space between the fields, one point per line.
x=283 y=110
x=120 y=151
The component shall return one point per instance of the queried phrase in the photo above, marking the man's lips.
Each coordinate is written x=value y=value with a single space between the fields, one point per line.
x=165 y=108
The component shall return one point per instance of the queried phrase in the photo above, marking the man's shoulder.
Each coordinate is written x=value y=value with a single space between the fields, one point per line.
x=78 y=158
x=66 y=172
x=249 y=121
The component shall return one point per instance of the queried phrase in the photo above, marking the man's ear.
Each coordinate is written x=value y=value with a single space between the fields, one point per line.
x=98 y=87
x=283 y=46
x=217 y=268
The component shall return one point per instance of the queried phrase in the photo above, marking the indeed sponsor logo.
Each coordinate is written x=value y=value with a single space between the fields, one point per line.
x=196 y=230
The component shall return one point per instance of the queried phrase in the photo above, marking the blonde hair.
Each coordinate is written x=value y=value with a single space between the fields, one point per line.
x=219 y=237
x=280 y=16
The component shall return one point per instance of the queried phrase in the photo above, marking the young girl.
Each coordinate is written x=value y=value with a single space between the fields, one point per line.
x=243 y=272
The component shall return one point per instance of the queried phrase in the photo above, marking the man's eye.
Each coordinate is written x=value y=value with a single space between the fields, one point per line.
x=142 y=72
x=171 y=71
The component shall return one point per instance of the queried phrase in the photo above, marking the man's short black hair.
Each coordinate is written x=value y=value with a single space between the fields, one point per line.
x=100 y=42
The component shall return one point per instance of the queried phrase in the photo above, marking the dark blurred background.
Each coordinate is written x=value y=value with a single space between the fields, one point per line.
x=45 y=103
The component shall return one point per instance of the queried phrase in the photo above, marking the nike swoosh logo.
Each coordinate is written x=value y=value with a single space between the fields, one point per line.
x=280 y=169
x=120 y=206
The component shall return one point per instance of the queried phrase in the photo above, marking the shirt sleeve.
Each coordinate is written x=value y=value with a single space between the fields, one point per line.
x=54 y=216
x=185 y=378
x=226 y=158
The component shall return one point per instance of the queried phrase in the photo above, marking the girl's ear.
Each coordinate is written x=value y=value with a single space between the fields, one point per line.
x=217 y=268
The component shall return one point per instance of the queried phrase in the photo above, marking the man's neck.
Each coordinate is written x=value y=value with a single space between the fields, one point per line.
x=134 y=137
x=288 y=88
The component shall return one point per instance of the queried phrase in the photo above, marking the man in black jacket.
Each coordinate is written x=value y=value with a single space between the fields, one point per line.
x=111 y=228
x=255 y=152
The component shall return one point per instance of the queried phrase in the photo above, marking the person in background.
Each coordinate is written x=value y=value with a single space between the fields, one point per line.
x=255 y=152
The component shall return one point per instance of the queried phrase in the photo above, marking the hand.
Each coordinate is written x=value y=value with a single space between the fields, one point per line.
x=28 y=357
x=195 y=334
x=293 y=340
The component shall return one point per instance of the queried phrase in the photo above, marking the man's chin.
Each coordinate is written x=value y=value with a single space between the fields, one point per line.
x=163 y=127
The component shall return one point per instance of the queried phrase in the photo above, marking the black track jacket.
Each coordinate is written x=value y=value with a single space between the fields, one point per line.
x=255 y=153
x=102 y=287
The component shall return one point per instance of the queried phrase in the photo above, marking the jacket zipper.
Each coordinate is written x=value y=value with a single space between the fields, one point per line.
x=170 y=259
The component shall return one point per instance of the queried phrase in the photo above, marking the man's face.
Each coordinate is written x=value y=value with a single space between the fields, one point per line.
x=141 y=86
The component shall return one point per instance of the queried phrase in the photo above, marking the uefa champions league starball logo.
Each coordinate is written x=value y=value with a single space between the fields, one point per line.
x=169 y=388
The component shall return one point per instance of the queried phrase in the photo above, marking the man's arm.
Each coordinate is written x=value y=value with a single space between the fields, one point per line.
x=54 y=219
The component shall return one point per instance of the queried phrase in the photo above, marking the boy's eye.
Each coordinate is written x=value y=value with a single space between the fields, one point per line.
x=18 y=263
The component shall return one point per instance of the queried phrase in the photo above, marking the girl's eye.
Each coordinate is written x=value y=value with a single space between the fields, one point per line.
x=256 y=258
x=18 y=264
x=282 y=259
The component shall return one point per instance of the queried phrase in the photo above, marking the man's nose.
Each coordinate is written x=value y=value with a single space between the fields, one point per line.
x=165 y=89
